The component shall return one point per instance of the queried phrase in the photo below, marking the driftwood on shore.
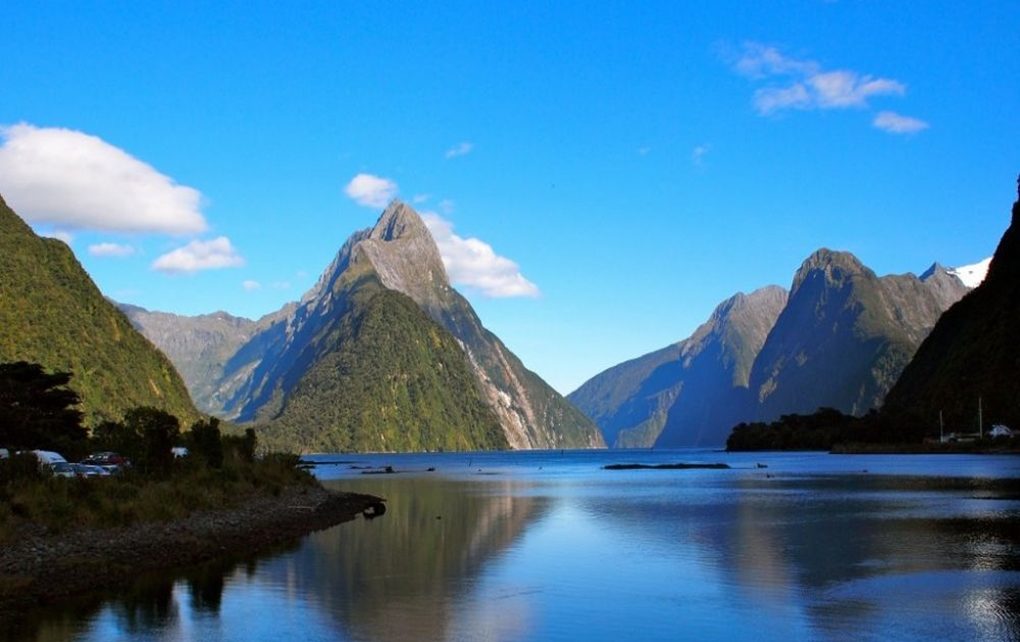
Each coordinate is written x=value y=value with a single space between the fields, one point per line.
x=665 y=466
x=41 y=569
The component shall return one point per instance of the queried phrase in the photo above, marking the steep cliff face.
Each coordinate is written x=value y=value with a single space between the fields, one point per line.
x=972 y=352
x=844 y=336
x=401 y=251
x=274 y=369
x=679 y=396
x=52 y=313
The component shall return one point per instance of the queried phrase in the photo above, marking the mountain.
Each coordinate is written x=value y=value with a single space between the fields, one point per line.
x=844 y=336
x=972 y=353
x=53 y=314
x=674 y=397
x=297 y=368
x=840 y=339
x=199 y=346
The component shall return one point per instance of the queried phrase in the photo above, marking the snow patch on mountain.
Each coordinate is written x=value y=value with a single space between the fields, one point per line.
x=972 y=275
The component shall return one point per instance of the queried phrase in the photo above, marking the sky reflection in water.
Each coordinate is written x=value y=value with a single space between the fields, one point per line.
x=532 y=546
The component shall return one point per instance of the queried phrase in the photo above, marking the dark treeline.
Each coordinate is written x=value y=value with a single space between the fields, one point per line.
x=39 y=411
x=830 y=429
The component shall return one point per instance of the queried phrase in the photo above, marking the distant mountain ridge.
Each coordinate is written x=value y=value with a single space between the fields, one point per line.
x=280 y=371
x=648 y=399
x=840 y=338
x=52 y=313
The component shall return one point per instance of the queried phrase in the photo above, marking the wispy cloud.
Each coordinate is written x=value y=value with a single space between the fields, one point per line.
x=460 y=149
x=894 y=123
x=60 y=235
x=250 y=285
x=698 y=153
x=78 y=181
x=370 y=190
x=111 y=249
x=803 y=84
x=200 y=255
x=418 y=199
x=473 y=263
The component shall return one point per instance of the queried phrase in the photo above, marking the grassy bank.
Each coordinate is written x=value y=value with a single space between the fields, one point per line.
x=54 y=505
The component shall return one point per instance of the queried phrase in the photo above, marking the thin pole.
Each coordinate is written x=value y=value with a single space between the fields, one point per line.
x=981 y=432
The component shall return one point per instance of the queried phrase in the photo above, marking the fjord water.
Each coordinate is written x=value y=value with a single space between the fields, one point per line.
x=549 y=546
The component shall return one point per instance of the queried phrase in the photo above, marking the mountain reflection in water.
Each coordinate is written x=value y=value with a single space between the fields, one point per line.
x=555 y=548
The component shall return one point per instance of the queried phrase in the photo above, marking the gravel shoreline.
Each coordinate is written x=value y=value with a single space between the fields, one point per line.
x=43 y=569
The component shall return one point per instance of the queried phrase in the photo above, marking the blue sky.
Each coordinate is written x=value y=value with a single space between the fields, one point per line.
x=601 y=174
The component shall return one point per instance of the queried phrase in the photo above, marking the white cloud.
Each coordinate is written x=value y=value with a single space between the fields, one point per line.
x=761 y=61
x=250 y=286
x=78 y=181
x=803 y=84
x=474 y=264
x=200 y=255
x=896 y=124
x=698 y=154
x=60 y=235
x=447 y=205
x=111 y=249
x=371 y=191
x=770 y=99
x=418 y=199
x=643 y=151
x=460 y=149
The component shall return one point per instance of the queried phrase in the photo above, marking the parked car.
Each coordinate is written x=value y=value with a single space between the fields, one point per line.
x=110 y=461
x=61 y=469
x=89 y=470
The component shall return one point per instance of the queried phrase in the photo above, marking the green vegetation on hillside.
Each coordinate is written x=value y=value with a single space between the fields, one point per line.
x=385 y=378
x=52 y=313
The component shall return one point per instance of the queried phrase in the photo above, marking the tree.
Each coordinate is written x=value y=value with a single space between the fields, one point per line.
x=205 y=442
x=157 y=432
x=38 y=410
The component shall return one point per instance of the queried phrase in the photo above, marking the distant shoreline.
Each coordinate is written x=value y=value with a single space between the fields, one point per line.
x=41 y=569
x=890 y=449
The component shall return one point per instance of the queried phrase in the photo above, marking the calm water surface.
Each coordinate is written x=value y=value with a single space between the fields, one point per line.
x=548 y=546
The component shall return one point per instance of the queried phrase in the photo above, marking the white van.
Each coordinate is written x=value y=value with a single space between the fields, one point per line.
x=48 y=457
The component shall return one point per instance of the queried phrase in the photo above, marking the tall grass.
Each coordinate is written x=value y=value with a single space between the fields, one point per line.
x=65 y=504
